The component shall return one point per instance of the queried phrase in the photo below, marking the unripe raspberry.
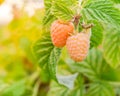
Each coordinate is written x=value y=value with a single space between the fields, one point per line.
x=78 y=46
x=60 y=31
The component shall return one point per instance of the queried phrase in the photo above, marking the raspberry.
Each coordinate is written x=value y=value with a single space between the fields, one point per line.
x=78 y=46
x=60 y=31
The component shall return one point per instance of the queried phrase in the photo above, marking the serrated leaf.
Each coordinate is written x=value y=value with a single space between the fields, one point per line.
x=95 y=67
x=53 y=59
x=92 y=67
x=47 y=55
x=112 y=47
x=48 y=18
x=58 y=90
x=97 y=34
x=100 y=89
x=41 y=47
x=61 y=11
x=102 y=11
x=48 y=4
x=71 y=3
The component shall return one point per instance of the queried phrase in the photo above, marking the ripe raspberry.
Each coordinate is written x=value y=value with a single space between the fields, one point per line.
x=60 y=31
x=78 y=46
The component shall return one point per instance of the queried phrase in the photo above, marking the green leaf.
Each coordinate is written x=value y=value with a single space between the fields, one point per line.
x=71 y=3
x=59 y=8
x=97 y=34
x=111 y=47
x=102 y=11
x=17 y=89
x=48 y=18
x=61 y=11
x=58 y=90
x=48 y=4
x=42 y=49
x=52 y=61
x=95 y=67
x=100 y=89
x=92 y=67
x=47 y=55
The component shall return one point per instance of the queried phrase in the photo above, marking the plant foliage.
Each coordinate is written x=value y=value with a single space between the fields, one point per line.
x=100 y=62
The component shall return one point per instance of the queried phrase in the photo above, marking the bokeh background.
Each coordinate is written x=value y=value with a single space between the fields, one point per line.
x=20 y=26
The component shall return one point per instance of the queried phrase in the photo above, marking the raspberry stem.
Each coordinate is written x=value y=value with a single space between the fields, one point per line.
x=85 y=26
x=76 y=19
x=76 y=22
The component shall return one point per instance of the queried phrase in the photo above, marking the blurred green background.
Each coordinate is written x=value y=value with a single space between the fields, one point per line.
x=16 y=37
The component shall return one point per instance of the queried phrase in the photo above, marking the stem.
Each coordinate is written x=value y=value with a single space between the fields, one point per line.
x=36 y=88
x=44 y=88
x=87 y=26
x=79 y=7
x=84 y=2
x=33 y=77
x=87 y=29
x=76 y=22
